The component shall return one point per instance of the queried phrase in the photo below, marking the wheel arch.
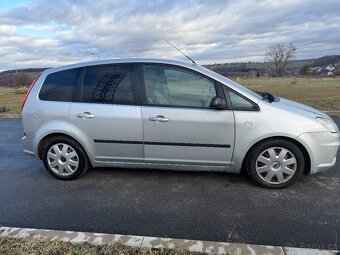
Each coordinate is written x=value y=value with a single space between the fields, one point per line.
x=304 y=151
x=49 y=136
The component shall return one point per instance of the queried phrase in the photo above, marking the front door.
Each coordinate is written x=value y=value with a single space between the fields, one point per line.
x=179 y=126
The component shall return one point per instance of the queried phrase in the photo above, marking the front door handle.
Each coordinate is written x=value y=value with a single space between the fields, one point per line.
x=85 y=115
x=159 y=118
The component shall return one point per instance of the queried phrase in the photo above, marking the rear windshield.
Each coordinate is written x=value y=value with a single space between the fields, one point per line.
x=60 y=86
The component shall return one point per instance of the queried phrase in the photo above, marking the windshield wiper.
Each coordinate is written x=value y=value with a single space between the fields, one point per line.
x=263 y=95
x=266 y=96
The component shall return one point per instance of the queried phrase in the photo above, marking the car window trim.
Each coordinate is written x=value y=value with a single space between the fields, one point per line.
x=78 y=97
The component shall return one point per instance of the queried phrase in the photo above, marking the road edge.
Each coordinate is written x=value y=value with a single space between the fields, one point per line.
x=10 y=116
x=207 y=247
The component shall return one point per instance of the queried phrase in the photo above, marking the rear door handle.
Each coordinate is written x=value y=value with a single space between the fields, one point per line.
x=85 y=115
x=159 y=118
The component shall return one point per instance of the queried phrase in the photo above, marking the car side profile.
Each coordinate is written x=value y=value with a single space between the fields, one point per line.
x=166 y=114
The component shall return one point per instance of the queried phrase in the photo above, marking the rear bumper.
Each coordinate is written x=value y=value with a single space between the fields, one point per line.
x=322 y=148
x=28 y=145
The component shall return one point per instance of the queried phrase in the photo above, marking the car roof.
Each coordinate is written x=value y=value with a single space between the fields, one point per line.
x=122 y=60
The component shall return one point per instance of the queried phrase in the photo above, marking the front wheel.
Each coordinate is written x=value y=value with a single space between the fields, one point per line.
x=275 y=163
x=64 y=158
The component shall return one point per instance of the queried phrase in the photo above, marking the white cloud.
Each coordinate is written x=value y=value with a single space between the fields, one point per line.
x=65 y=31
x=7 y=30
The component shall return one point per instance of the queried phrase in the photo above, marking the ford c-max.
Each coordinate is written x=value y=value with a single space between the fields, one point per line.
x=165 y=114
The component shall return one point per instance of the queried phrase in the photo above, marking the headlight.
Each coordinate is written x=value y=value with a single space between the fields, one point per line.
x=329 y=124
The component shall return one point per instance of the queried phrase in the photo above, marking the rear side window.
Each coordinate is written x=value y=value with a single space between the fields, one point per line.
x=60 y=86
x=110 y=84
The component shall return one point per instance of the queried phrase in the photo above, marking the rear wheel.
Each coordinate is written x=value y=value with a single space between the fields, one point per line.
x=275 y=163
x=64 y=158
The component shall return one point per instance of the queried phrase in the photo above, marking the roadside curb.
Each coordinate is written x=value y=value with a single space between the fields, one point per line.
x=207 y=247
x=10 y=116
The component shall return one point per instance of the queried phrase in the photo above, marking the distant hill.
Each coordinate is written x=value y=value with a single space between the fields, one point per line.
x=326 y=60
x=317 y=66
x=27 y=70
x=295 y=67
x=253 y=68
x=19 y=77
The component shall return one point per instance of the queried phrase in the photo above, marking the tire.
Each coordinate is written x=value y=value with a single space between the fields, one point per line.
x=64 y=158
x=275 y=164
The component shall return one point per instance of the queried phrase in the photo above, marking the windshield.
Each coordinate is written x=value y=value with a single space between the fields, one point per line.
x=233 y=83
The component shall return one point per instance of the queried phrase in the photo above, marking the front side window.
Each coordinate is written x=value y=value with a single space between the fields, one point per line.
x=110 y=84
x=174 y=86
x=60 y=86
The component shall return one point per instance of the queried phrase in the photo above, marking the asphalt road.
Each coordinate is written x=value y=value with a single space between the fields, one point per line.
x=205 y=206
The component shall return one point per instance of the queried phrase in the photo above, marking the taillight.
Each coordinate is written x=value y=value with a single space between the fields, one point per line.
x=29 y=90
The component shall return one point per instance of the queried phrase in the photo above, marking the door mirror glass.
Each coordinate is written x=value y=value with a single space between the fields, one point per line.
x=218 y=103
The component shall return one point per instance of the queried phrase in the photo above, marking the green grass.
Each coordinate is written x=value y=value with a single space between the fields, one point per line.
x=41 y=246
x=321 y=93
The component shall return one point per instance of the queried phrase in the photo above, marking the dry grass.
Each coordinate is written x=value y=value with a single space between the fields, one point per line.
x=11 y=100
x=321 y=93
x=21 y=90
x=41 y=246
x=3 y=109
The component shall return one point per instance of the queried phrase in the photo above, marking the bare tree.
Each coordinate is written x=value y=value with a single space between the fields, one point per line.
x=280 y=54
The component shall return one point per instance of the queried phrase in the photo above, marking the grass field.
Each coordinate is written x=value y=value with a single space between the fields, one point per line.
x=321 y=93
x=11 y=99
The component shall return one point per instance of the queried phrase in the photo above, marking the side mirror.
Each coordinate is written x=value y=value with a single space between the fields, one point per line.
x=218 y=103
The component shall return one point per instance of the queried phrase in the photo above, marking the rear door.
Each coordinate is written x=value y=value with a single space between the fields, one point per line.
x=107 y=116
x=179 y=125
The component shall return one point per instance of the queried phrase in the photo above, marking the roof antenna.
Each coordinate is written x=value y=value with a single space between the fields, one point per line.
x=180 y=51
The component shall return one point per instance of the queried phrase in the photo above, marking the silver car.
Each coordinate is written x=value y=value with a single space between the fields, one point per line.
x=165 y=114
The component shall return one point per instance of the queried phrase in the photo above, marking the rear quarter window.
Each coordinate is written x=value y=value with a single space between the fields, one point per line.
x=60 y=86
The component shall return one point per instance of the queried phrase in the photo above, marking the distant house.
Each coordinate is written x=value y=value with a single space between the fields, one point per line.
x=326 y=70
x=322 y=70
x=313 y=70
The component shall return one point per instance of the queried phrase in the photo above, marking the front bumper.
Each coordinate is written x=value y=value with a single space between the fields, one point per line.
x=322 y=148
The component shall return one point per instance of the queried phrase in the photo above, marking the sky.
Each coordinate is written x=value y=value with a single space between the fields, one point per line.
x=46 y=33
